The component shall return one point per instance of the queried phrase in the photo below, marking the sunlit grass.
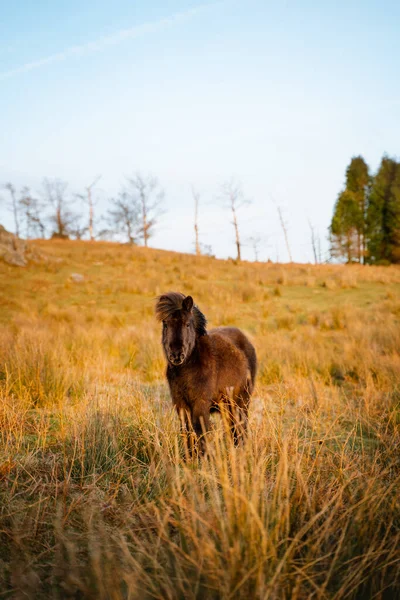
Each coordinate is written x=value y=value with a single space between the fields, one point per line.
x=96 y=499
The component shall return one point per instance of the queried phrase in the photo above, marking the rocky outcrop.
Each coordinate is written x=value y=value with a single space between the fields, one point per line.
x=15 y=251
x=12 y=249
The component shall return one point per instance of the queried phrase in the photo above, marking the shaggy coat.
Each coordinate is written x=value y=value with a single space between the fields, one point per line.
x=206 y=369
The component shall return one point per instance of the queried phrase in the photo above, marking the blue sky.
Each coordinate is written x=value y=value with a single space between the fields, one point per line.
x=278 y=94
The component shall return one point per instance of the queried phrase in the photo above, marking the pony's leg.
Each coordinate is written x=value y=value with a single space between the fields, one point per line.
x=230 y=412
x=238 y=414
x=201 y=424
x=186 y=430
x=234 y=422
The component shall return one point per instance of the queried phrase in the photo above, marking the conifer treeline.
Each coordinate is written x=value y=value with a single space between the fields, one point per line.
x=365 y=226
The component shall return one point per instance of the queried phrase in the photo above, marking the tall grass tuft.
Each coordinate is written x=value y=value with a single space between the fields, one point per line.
x=35 y=367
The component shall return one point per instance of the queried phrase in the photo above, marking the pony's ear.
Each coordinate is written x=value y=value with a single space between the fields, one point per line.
x=187 y=303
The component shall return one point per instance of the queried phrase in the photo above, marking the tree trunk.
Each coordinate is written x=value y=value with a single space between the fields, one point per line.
x=28 y=223
x=235 y=224
x=285 y=233
x=313 y=242
x=91 y=207
x=145 y=226
x=363 y=248
x=16 y=218
x=349 y=255
x=11 y=189
x=59 y=223
x=91 y=236
x=129 y=232
x=196 y=227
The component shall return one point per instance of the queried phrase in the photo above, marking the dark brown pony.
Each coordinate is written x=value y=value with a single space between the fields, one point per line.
x=206 y=370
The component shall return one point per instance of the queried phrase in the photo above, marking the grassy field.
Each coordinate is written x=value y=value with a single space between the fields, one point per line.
x=96 y=500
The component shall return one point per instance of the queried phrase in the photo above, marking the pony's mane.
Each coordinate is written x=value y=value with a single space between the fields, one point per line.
x=169 y=303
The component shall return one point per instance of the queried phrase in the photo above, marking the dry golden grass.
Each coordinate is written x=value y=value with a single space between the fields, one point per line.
x=96 y=500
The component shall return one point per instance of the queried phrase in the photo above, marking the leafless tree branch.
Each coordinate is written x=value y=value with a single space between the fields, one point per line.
x=150 y=197
x=196 y=198
x=55 y=196
x=124 y=216
x=233 y=197
x=285 y=233
x=14 y=206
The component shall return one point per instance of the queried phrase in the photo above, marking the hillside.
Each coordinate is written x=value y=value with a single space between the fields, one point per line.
x=95 y=499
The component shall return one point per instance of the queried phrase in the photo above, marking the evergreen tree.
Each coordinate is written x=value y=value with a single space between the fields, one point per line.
x=394 y=213
x=383 y=215
x=344 y=232
x=357 y=182
x=348 y=226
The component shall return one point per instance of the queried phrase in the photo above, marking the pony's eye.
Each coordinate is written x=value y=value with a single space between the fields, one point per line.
x=187 y=325
x=164 y=325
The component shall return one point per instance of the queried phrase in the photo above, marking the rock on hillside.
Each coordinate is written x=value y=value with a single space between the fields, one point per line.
x=15 y=251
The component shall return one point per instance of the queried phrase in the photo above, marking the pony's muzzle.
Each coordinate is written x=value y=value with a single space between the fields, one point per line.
x=176 y=358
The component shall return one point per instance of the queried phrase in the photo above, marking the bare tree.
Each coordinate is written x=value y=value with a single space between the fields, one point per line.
x=61 y=216
x=124 y=216
x=37 y=218
x=89 y=200
x=255 y=241
x=77 y=229
x=196 y=198
x=284 y=229
x=32 y=210
x=150 y=197
x=319 y=250
x=25 y=202
x=233 y=197
x=314 y=242
x=206 y=250
x=14 y=206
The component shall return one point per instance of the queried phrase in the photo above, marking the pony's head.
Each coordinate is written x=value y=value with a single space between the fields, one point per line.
x=182 y=323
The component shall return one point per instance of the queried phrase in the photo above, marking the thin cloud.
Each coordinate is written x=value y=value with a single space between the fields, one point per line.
x=110 y=40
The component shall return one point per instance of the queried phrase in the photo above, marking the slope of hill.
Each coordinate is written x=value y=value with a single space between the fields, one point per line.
x=95 y=498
